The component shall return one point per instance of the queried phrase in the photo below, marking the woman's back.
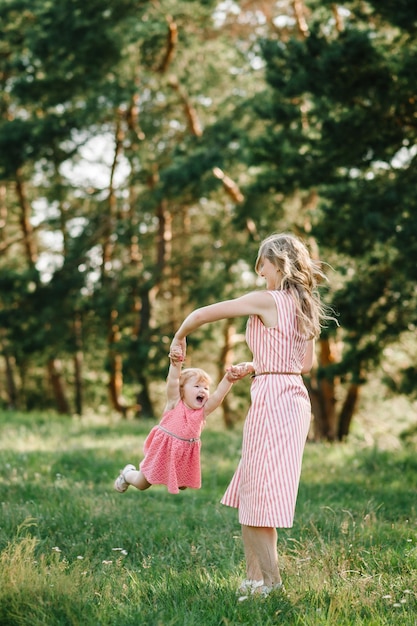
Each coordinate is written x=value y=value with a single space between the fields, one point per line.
x=280 y=348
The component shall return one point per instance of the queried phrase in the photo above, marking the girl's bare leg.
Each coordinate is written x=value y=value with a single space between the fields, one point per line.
x=137 y=479
x=261 y=554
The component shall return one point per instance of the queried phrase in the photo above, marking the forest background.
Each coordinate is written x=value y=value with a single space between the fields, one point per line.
x=146 y=147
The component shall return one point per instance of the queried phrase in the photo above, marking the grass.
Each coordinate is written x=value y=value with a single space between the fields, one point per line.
x=74 y=552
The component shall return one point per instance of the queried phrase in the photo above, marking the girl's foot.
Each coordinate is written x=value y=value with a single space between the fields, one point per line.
x=121 y=484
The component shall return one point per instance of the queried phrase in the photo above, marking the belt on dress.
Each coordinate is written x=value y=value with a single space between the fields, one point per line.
x=277 y=373
x=193 y=440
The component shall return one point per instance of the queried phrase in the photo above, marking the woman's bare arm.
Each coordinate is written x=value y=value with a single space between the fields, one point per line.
x=254 y=303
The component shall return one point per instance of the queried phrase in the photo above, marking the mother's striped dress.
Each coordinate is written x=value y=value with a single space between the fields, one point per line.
x=265 y=485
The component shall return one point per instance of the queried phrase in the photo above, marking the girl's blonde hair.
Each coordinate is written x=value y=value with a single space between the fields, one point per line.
x=300 y=276
x=193 y=372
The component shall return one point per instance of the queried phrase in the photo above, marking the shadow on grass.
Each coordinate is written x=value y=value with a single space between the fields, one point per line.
x=370 y=482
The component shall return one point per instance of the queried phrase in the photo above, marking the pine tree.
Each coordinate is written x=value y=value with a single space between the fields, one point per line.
x=340 y=130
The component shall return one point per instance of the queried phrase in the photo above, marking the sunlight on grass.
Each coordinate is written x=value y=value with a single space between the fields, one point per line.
x=33 y=583
x=73 y=551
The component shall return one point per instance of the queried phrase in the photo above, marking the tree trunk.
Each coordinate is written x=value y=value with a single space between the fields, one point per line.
x=26 y=226
x=78 y=364
x=348 y=410
x=116 y=384
x=3 y=213
x=225 y=360
x=171 y=44
x=322 y=394
x=299 y=13
x=110 y=219
x=115 y=360
x=339 y=23
x=191 y=114
x=116 y=367
x=11 y=389
x=329 y=424
x=144 y=402
x=142 y=331
x=58 y=387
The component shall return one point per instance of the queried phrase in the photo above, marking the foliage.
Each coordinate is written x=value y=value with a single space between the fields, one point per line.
x=121 y=250
x=146 y=148
x=340 y=119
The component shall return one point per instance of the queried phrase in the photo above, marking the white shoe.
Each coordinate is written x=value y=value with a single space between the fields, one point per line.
x=121 y=484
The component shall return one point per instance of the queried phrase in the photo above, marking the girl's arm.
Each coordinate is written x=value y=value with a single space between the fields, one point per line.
x=234 y=373
x=217 y=397
x=173 y=384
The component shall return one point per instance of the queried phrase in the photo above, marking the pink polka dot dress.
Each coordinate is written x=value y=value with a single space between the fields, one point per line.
x=265 y=485
x=172 y=449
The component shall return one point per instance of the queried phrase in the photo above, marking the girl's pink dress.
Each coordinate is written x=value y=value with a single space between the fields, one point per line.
x=174 y=459
x=265 y=485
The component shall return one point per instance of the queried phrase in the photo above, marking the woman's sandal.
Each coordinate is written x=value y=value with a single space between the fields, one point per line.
x=248 y=587
x=257 y=589
x=264 y=590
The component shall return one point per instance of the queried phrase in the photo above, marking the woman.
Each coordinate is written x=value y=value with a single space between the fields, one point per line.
x=283 y=321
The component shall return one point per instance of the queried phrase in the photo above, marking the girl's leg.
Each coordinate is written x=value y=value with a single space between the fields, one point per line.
x=261 y=554
x=136 y=479
x=131 y=476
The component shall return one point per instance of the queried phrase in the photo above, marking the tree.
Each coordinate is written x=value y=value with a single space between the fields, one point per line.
x=340 y=129
x=138 y=187
x=123 y=244
x=50 y=99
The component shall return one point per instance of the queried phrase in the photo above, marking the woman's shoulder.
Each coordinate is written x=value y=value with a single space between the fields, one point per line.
x=261 y=295
x=283 y=299
x=279 y=295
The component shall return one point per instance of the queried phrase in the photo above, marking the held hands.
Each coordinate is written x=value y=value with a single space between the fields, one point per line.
x=176 y=355
x=239 y=371
x=178 y=350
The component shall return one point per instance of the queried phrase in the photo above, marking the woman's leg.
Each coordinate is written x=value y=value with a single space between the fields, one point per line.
x=253 y=568
x=261 y=554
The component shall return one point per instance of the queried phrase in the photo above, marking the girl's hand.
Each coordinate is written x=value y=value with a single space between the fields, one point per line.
x=177 y=350
x=239 y=371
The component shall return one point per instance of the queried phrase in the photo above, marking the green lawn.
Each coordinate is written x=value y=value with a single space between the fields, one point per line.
x=75 y=552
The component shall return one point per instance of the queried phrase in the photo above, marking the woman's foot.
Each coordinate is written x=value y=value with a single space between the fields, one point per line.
x=121 y=484
x=248 y=587
x=257 y=589
x=264 y=590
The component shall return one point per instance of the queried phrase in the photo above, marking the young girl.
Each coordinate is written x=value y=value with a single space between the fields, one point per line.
x=283 y=321
x=172 y=448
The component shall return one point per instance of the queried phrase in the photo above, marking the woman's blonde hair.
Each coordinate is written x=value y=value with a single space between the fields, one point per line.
x=193 y=372
x=300 y=275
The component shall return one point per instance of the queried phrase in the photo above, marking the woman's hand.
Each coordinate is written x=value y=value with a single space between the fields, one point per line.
x=176 y=355
x=236 y=372
x=178 y=349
